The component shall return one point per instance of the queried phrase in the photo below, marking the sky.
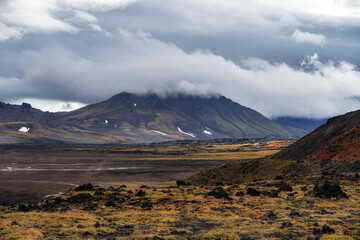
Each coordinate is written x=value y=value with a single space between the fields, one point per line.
x=279 y=57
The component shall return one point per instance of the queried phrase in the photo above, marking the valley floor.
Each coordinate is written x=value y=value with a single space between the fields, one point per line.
x=28 y=173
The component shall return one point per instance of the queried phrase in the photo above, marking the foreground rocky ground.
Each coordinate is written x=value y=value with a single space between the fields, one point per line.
x=269 y=209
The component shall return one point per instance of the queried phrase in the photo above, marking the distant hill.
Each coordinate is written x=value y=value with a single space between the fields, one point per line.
x=331 y=151
x=137 y=118
x=307 y=124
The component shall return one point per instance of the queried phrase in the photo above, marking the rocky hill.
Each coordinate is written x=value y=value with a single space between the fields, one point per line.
x=329 y=152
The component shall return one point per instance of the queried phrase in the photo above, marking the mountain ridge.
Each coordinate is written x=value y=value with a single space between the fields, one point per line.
x=136 y=118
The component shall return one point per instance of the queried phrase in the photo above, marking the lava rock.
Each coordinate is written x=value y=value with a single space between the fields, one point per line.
x=97 y=225
x=80 y=198
x=270 y=215
x=327 y=230
x=145 y=187
x=125 y=230
x=252 y=192
x=240 y=194
x=15 y=223
x=140 y=193
x=110 y=204
x=272 y=193
x=85 y=187
x=284 y=186
x=147 y=206
x=218 y=192
x=181 y=183
x=286 y=225
x=294 y=213
x=328 y=191
x=90 y=206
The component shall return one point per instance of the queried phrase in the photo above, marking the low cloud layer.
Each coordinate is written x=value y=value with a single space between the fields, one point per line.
x=284 y=58
x=143 y=63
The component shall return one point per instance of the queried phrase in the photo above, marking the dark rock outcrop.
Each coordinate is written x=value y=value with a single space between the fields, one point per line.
x=328 y=191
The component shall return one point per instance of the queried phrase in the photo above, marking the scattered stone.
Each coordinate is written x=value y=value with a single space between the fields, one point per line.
x=279 y=177
x=90 y=207
x=147 y=206
x=110 y=204
x=98 y=193
x=180 y=183
x=123 y=186
x=304 y=188
x=145 y=187
x=80 y=226
x=328 y=191
x=270 y=215
x=15 y=223
x=316 y=231
x=85 y=187
x=80 y=198
x=252 y=192
x=323 y=211
x=294 y=213
x=86 y=234
x=284 y=186
x=240 y=194
x=286 y=225
x=26 y=208
x=272 y=193
x=97 y=225
x=58 y=200
x=327 y=230
x=140 y=193
x=158 y=238
x=218 y=192
x=125 y=230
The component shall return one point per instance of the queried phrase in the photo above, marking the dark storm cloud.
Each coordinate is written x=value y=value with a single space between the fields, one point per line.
x=250 y=51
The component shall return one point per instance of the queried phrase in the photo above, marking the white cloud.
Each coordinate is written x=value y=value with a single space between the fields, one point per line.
x=50 y=105
x=306 y=37
x=147 y=64
x=47 y=16
x=8 y=32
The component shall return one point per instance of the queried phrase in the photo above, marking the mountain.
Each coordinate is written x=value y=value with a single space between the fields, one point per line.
x=307 y=124
x=137 y=118
x=332 y=152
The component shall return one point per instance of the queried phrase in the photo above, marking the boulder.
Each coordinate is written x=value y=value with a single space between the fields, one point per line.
x=218 y=192
x=328 y=191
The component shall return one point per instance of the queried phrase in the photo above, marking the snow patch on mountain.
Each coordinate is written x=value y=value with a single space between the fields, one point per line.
x=190 y=134
x=207 y=132
x=24 y=129
x=155 y=131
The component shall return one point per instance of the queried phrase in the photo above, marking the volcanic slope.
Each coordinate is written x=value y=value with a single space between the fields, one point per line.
x=331 y=151
x=136 y=118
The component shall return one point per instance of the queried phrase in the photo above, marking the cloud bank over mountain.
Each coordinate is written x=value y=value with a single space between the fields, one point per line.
x=300 y=61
